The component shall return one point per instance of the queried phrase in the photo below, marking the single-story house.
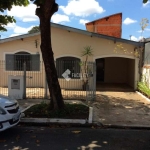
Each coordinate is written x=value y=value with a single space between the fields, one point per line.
x=114 y=57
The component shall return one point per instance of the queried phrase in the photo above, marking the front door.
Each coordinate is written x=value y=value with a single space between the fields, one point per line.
x=100 y=64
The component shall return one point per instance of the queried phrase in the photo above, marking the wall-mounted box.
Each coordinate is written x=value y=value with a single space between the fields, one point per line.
x=15 y=87
x=15 y=84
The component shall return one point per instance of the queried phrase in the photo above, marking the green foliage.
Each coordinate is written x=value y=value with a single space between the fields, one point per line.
x=142 y=87
x=88 y=51
x=143 y=24
x=4 y=20
x=145 y=1
x=7 y=4
x=34 y=30
x=38 y=2
x=71 y=111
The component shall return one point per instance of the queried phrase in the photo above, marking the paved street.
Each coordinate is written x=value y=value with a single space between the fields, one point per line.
x=53 y=138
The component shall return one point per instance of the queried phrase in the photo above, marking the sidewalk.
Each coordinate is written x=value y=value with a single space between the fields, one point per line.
x=126 y=109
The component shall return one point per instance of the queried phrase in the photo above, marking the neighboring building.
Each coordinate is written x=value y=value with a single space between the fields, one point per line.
x=114 y=57
x=147 y=51
x=110 y=25
x=146 y=61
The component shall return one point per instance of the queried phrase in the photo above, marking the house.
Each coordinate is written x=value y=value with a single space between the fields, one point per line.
x=114 y=57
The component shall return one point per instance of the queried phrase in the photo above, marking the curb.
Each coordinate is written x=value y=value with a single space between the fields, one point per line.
x=87 y=125
x=22 y=111
x=143 y=96
x=58 y=120
x=76 y=125
x=53 y=120
x=139 y=127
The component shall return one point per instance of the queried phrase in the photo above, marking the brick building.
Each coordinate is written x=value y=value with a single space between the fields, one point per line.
x=110 y=25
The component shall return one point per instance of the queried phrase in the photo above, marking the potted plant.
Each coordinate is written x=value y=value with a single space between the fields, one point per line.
x=87 y=52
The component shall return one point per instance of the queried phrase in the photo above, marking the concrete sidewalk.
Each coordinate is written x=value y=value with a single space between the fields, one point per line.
x=112 y=108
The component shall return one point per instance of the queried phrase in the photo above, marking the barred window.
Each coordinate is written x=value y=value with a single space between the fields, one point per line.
x=15 y=62
x=70 y=63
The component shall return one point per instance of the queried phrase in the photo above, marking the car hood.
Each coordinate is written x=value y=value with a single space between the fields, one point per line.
x=6 y=101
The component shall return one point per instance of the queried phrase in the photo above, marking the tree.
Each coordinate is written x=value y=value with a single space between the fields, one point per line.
x=87 y=52
x=143 y=24
x=4 y=5
x=145 y=1
x=34 y=30
x=45 y=10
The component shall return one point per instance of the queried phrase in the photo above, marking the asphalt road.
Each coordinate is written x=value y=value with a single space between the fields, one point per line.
x=53 y=138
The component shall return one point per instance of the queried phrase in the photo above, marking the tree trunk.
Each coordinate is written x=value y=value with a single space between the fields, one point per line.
x=45 y=12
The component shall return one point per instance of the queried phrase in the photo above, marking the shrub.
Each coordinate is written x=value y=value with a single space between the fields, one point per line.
x=142 y=87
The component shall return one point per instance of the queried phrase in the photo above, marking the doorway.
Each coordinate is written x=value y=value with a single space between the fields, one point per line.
x=115 y=74
x=100 y=66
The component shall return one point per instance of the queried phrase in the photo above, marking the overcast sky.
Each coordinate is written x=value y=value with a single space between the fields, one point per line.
x=76 y=13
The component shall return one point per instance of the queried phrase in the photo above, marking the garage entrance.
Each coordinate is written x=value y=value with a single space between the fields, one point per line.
x=115 y=74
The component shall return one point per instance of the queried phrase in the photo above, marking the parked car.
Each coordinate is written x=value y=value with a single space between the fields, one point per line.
x=9 y=112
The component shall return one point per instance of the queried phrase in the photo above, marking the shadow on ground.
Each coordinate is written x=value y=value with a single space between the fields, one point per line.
x=121 y=108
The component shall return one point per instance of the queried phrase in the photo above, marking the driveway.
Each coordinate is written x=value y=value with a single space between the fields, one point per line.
x=121 y=108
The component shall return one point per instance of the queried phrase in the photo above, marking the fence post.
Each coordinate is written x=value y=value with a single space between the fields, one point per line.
x=45 y=87
x=24 y=78
x=94 y=80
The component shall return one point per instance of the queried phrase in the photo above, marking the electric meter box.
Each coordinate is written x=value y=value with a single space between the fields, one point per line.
x=15 y=87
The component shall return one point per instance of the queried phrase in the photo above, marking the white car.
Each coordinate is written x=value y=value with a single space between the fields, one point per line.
x=10 y=113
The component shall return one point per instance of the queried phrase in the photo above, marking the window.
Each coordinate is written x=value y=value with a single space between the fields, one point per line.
x=70 y=63
x=15 y=62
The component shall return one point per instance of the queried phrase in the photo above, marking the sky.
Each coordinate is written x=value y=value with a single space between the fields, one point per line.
x=75 y=13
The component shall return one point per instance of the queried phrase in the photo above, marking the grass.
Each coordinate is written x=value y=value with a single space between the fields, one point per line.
x=142 y=87
x=71 y=111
